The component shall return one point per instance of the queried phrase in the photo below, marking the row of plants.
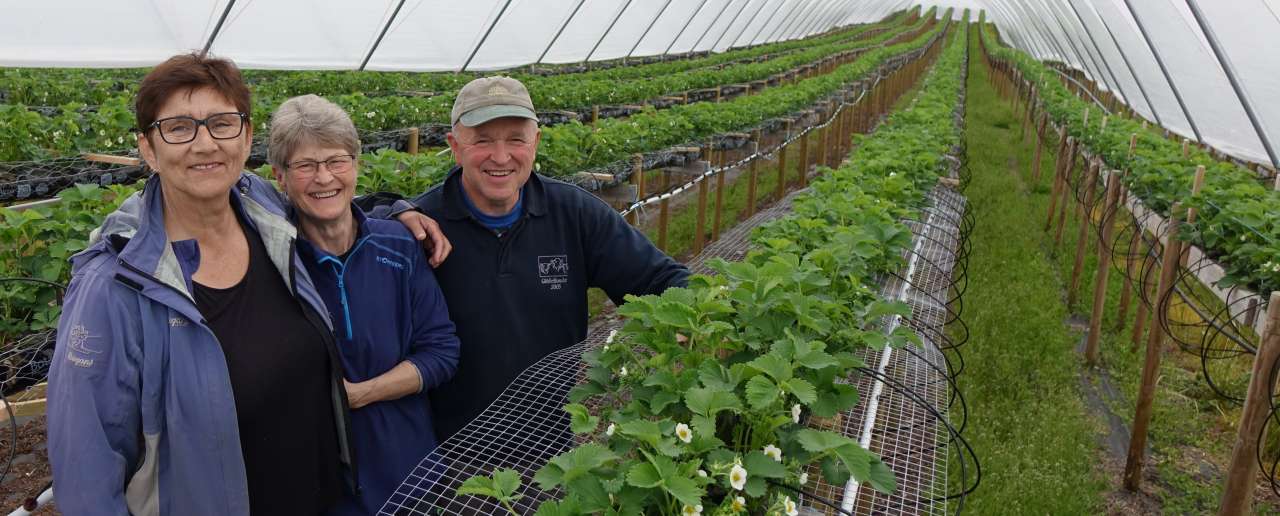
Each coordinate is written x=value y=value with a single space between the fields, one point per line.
x=699 y=404
x=75 y=127
x=1239 y=218
x=566 y=149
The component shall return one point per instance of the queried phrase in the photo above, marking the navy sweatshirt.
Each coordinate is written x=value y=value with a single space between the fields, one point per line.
x=518 y=297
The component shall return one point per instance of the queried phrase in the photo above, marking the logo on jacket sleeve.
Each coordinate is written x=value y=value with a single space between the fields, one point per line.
x=80 y=351
x=553 y=270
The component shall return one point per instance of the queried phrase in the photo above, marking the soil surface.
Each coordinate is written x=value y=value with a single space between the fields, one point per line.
x=29 y=472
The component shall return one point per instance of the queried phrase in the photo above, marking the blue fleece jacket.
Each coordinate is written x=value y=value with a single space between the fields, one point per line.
x=386 y=308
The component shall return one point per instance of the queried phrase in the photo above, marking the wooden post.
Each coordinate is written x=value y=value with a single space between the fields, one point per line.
x=1238 y=493
x=1082 y=239
x=1067 y=171
x=637 y=178
x=595 y=115
x=1150 y=368
x=715 y=225
x=1186 y=148
x=781 y=188
x=664 y=208
x=822 y=143
x=804 y=160
x=753 y=169
x=413 y=140
x=1059 y=160
x=1104 y=269
x=1197 y=184
x=700 y=226
x=1140 y=318
x=1035 y=163
x=1028 y=120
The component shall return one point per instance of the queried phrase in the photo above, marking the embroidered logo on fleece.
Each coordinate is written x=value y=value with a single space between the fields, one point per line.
x=553 y=270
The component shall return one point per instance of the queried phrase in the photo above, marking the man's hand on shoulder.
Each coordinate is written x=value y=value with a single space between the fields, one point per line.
x=426 y=230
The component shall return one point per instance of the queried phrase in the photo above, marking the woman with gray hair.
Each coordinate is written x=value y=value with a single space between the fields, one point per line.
x=393 y=329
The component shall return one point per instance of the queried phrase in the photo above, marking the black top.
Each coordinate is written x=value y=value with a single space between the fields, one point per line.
x=518 y=297
x=280 y=380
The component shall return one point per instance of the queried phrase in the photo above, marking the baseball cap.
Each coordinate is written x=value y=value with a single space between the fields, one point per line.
x=487 y=98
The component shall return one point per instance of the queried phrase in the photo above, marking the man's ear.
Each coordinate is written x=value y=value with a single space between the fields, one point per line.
x=277 y=174
x=453 y=147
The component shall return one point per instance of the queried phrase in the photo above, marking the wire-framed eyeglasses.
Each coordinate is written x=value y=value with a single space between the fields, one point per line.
x=339 y=164
x=182 y=129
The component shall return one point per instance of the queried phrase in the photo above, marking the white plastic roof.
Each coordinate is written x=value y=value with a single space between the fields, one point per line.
x=421 y=35
x=1102 y=38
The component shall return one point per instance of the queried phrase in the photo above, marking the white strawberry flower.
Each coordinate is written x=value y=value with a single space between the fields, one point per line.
x=739 y=504
x=370 y=114
x=692 y=510
x=738 y=476
x=795 y=413
x=612 y=334
x=702 y=473
x=790 y=506
x=683 y=433
x=623 y=372
x=609 y=431
x=804 y=478
x=773 y=452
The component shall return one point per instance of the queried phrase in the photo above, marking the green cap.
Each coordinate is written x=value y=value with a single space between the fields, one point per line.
x=487 y=98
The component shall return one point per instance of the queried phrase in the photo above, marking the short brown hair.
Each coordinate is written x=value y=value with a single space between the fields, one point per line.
x=190 y=72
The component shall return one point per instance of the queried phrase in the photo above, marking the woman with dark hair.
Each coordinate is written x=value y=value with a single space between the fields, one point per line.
x=196 y=371
x=395 y=338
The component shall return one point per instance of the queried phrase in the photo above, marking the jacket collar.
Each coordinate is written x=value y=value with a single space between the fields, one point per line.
x=148 y=249
x=533 y=195
x=312 y=253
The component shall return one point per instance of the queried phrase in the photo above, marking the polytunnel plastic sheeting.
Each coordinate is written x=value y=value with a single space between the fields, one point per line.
x=585 y=30
x=1249 y=32
x=102 y=34
x=1144 y=65
x=1199 y=78
x=438 y=35
x=679 y=12
x=517 y=37
x=328 y=34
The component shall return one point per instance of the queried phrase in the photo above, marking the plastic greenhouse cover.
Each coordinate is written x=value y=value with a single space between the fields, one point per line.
x=1243 y=28
x=421 y=35
x=438 y=35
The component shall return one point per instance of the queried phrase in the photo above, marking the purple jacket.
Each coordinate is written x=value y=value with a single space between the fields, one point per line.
x=140 y=411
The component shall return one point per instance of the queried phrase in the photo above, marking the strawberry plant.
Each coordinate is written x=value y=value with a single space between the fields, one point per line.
x=701 y=396
x=1239 y=218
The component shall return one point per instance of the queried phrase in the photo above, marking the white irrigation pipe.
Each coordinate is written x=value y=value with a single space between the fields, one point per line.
x=873 y=405
x=44 y=498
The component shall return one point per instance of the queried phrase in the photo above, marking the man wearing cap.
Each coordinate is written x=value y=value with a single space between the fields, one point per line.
x=525 y=250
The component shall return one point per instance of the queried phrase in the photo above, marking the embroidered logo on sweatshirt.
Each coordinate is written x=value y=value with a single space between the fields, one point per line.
x=553 y=270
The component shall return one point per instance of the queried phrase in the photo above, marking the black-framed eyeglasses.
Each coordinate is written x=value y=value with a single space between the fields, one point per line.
x=339 y=164
x=183 y=129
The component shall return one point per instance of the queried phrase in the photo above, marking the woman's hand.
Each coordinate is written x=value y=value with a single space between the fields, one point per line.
x=426 y=230
x=402 y=380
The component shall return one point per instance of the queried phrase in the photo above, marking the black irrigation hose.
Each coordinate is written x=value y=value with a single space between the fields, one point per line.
x=834 y=506
x=955 y=437
x=13 y=420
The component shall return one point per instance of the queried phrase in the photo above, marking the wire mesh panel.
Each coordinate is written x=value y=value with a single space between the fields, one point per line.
x=521 y=430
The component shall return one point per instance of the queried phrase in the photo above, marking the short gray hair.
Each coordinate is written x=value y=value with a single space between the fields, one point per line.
x=309 y=119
